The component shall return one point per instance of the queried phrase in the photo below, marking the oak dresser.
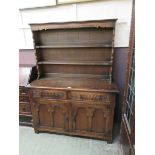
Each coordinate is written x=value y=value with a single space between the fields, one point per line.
x=74 y=93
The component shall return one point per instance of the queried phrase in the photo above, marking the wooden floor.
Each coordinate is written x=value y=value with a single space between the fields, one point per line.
x=52 y=144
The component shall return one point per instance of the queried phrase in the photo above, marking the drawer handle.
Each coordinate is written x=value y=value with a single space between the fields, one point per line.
x=23 y=93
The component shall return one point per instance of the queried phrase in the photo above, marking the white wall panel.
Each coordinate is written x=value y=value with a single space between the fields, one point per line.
x=122 y=34
x=28 y=39
x=49 y=14
x=96 y=10
x=21 y=41
x=120 y=10
x=106 y=9
x=35 y=3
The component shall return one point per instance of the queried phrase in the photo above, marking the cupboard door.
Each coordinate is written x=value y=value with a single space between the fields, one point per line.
x=99 y=121
x=80 y=120
x=52 y=115
x=92 y=119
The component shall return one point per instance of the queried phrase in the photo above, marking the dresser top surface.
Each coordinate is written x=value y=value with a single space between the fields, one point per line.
x=76 y=83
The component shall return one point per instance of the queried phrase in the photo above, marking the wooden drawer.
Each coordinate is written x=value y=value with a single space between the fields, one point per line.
x=25 y=120
x=23 y=98
x=48 y=94
x=23 y=91
x=24 y=108
x=91 y=96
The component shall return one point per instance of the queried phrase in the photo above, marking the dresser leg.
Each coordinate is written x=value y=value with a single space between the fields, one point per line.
x=109 y=141
x=36 y=131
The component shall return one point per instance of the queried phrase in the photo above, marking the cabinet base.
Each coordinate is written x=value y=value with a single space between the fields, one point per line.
x=75 y=134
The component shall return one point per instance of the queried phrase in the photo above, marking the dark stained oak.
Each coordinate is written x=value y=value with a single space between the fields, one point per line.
x=27 y=73
x=74 y=93
x=74 y=83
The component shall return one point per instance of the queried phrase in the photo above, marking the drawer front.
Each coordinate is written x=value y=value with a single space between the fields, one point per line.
x=23 y=91
x=48 y=94
x=23 y=98
x=91 y=96
x=24 y=108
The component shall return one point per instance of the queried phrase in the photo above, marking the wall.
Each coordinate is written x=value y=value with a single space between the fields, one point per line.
x=119 y=72
x=35 y=3
x=48 y=11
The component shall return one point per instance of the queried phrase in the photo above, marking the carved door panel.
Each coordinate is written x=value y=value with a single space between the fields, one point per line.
x=100 y=121
x=80 y=120
x=91 y=119
x=59 y=115
x=51 y=114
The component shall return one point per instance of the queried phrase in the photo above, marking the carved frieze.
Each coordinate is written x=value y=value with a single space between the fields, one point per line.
x=94 y=97
x=90 y=97
x=48 y=94
x=52 y=95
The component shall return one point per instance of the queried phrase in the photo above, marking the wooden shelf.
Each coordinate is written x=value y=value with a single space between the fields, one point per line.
x=104 y=63
x=76 y=46
x=87 y=76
